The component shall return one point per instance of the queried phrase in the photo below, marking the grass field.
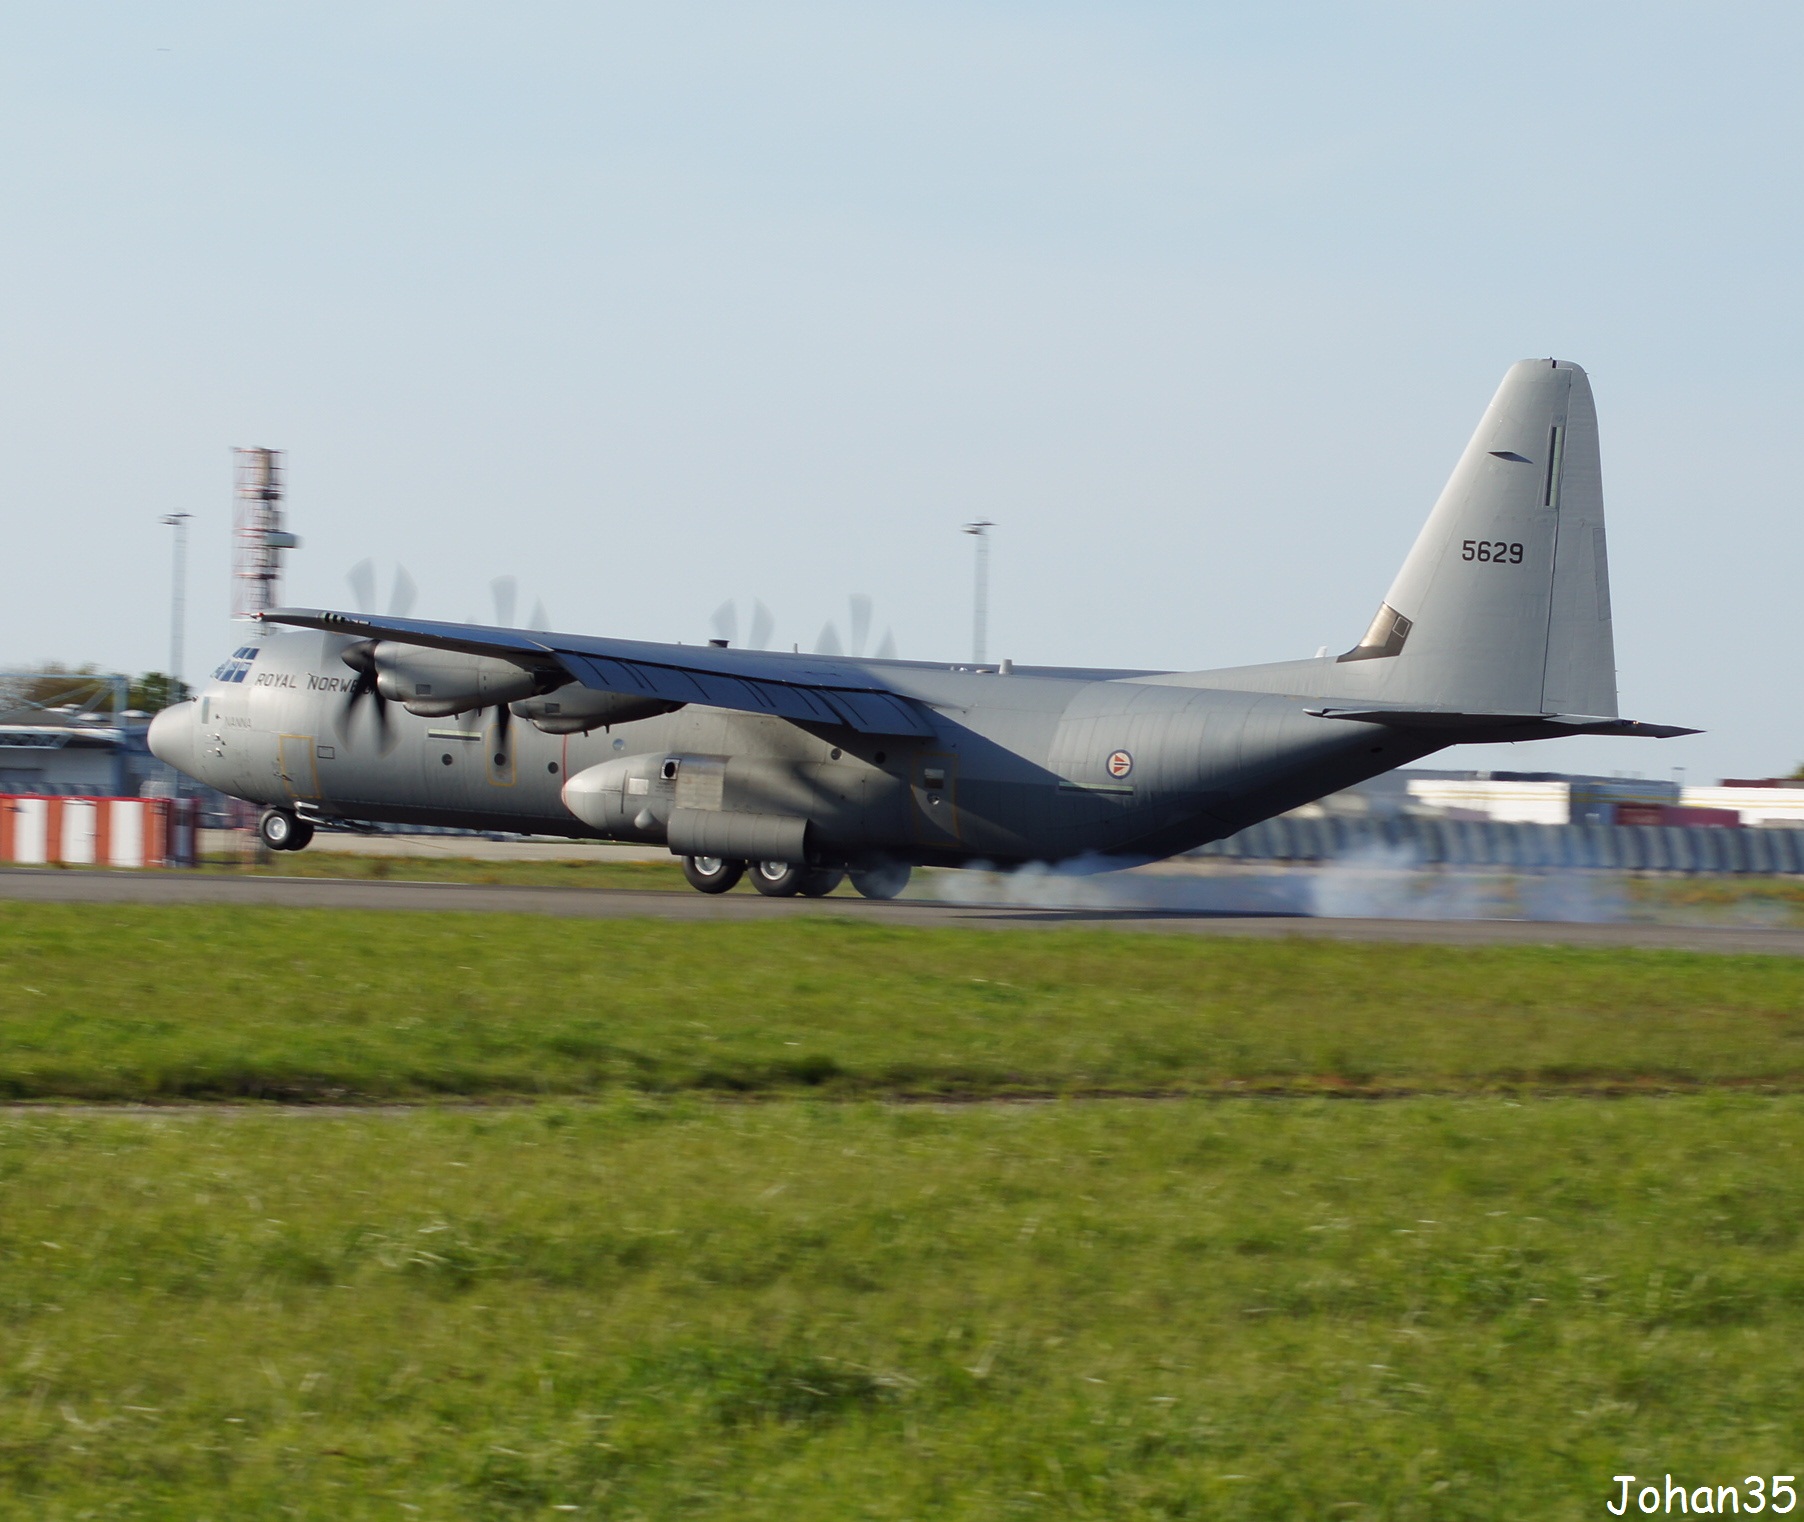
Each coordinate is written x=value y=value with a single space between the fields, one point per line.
x=639 y=1296
x=668 y=1309
x=638 y=876
x=148 y=1003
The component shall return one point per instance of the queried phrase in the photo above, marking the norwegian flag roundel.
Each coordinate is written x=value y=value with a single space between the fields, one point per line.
x=1120 y=763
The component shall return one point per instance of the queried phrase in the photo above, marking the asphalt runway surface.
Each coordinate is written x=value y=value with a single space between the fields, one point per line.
x=100 y=887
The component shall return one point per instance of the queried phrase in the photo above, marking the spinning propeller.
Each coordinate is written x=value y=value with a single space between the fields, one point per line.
x=505 y=590
x=725 y=624
x=859 y=607
x=360 y=658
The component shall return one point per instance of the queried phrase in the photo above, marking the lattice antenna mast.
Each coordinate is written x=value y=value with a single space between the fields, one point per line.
x=258 y=537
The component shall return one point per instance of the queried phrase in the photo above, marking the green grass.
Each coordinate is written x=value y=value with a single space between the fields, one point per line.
x=1438 y=1309
x=156 y=1003
x=1702 y=898
x=659 y=876
x=635 y=1301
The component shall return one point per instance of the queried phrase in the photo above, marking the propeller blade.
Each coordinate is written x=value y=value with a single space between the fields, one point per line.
x=362 y=580
x=365 y=687
x=506 y=590
x=887 y=650
x=861 y=620
x=725 y=622
x=400 y=600
x=541 y=620
x=828 y=643
x=763 y=626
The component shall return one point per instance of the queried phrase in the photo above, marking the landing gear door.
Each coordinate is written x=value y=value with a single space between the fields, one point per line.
x=935 y=787
x=300 y=776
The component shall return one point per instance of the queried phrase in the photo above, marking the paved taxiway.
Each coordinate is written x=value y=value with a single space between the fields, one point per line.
x=52 y=886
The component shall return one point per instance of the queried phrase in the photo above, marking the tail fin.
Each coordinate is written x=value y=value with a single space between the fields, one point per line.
x=1503 y=606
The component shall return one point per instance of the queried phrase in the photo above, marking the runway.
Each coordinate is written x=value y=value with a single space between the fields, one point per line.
x=99 y=887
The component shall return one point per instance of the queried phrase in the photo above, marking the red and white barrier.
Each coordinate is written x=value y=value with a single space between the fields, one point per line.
x=97 y=832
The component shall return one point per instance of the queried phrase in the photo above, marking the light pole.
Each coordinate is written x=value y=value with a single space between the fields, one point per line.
x=177 y=598
x=980 y=593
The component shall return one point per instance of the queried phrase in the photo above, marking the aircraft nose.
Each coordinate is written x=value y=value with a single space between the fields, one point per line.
x=171 y=736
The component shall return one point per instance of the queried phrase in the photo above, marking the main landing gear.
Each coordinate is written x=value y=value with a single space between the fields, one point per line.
x=282 y=831
x=709 y=874
x=786 y=879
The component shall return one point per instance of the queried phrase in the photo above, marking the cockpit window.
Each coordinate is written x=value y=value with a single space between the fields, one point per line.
x=238 y=667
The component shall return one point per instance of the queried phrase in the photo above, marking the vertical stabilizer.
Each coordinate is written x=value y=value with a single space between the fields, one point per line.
x=1503 y=605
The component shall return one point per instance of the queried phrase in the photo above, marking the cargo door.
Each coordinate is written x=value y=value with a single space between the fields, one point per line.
x=300 y=776
x=935 y=786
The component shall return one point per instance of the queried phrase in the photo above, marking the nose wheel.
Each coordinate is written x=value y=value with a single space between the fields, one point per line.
x=281 y=831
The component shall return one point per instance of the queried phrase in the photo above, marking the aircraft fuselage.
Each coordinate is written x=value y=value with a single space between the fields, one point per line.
x=1029 y=765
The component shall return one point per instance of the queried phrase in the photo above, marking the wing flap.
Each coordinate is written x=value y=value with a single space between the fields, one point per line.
x=879 y=713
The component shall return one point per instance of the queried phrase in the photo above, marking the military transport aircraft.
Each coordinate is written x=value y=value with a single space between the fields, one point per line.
x=802 y=768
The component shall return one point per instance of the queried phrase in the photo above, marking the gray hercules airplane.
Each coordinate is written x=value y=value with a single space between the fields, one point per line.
x=804 y=768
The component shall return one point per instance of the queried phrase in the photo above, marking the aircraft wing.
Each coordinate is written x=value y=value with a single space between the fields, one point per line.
x=1505 y=726
x=807 y=689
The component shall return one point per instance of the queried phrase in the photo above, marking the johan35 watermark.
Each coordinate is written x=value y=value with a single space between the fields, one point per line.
x=1757 y=1493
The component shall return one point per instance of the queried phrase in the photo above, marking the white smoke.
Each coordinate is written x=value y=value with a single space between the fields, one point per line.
x=1085 y=885
x=1377 y=882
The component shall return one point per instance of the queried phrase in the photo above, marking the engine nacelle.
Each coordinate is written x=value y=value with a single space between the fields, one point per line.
x=628 y=796
x=575 y=710
x=438 y=683
x=677 y=799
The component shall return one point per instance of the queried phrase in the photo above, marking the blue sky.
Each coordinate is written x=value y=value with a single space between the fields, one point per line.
x=653 y=307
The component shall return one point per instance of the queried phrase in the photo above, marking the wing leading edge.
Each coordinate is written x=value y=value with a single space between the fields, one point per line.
x=802 y=689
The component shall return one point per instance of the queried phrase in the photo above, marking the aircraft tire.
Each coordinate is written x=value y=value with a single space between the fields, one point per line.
x=779 y=879
x=281 y=831
x=712 y=874
x=821 y=881
x=885 y=881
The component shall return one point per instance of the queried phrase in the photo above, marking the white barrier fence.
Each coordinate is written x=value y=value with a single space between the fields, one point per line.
x=97 y=832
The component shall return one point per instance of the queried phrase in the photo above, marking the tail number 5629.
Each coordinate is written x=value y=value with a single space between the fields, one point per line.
x=1494 y=551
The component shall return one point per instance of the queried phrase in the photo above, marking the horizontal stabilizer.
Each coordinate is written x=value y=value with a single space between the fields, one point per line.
x=1519 y=726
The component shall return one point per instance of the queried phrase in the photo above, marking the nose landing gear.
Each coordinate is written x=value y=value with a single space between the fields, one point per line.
x=282 y=831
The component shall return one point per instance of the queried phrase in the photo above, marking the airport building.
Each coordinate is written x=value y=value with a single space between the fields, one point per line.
x=74 y=750
x=1549 y=798
x=1536 y=822
x=69 y=752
